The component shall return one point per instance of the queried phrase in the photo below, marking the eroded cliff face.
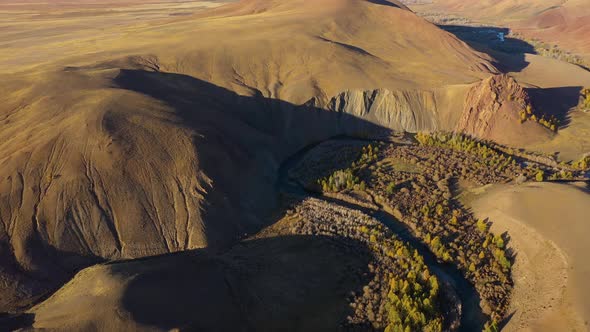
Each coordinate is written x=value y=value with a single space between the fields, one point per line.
x=409 y=111
x=492 y=110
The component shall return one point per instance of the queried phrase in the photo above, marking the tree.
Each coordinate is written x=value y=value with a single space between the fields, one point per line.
x=499 y=241
x=435 y=243
x=583 y=163
x=585 y=103
x=372 y=238
x=491 y=327
x=502 y=260
x=446 y=256
x=540 y=177
x=522 y=116
x=482 y=226
x=433 y=286
x=325 y=186
x=390 y=188
x=439 y=210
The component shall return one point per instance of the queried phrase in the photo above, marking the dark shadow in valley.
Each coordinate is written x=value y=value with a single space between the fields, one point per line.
x=54 y=268
x=300 y=283
x=508 y=52
x=14 y=322
x=557 y=102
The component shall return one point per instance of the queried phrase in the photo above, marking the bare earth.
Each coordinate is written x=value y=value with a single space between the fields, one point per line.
x=548 y=228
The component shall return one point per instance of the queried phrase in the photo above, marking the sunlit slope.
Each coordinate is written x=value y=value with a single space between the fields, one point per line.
x=298 y=49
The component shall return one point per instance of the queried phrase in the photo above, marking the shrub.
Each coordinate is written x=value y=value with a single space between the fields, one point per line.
x=585 y=100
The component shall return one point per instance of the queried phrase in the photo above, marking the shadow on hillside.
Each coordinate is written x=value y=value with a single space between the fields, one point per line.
x=509 y=54
x=240 y=142
x=288 y=283
x=384 y=3
x=556 y=102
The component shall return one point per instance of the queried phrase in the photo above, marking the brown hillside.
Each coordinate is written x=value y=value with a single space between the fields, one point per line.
x=109 y=155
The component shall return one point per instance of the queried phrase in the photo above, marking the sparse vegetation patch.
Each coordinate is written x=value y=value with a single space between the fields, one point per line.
x=547 y=121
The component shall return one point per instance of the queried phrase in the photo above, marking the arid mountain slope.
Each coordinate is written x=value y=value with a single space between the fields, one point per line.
x=301 y=49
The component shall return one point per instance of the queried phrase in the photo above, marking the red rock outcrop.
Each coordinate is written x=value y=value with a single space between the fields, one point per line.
x=492 y=111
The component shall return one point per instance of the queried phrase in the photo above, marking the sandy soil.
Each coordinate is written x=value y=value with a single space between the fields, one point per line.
x=548 y=229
